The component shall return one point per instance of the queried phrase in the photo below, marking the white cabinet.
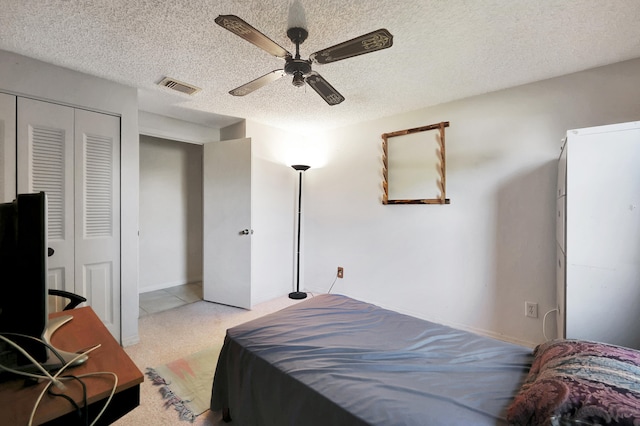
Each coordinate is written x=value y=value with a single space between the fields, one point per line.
x=598 y=232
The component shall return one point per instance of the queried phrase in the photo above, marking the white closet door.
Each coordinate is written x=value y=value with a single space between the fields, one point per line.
x=45 y=163
x=227 y=222
x=97 y=217
x=74 y=157
x=7 y=148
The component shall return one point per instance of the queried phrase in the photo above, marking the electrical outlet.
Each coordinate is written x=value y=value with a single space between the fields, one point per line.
x=531 y=309
x=340 y=272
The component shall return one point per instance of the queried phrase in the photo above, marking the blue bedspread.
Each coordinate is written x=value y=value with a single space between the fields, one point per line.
x=332 y=360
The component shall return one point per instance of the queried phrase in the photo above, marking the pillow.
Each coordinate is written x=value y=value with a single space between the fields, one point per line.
x=579 y=380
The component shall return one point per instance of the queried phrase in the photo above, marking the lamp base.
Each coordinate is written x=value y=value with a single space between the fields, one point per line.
x=297 y=295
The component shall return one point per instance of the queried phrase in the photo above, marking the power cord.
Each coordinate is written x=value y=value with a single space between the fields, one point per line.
x=71 y=401
x=113 y=390
x=46 y=375
x=57 y=378
x=544 y=323
x=332 y=284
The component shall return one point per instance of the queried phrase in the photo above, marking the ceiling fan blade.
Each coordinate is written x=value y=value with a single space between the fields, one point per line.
x=247 y=32
x=251 y=86
x=375 y=40
x=324 y=89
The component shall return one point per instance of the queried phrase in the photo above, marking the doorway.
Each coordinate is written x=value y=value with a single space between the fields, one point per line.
x=170 y=220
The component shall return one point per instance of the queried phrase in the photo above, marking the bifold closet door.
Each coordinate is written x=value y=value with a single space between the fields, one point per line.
x=74 y=156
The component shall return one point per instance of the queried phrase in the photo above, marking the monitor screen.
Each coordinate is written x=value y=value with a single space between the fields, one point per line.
x=23 y=272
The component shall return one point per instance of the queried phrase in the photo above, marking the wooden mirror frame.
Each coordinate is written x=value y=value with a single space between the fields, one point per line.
x=440 y=166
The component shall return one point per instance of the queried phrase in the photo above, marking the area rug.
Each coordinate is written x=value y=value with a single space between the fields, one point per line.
x=186 y=382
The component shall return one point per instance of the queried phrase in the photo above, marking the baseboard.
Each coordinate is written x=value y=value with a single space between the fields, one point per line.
x=130 y=340
x=163 y=286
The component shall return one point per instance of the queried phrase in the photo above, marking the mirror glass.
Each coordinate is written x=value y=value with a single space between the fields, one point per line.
x=414 y=168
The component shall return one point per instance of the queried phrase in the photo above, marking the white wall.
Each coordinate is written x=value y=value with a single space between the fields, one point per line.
x=170 y=213
x=177 y=130
x=475 y=262
x=472 y=263
x=272 y=212
x=28 y=77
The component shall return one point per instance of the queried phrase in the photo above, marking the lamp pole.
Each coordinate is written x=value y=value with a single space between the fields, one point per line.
x=298 y=294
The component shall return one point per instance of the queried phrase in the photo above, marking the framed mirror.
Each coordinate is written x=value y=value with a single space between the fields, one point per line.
x=414 y=166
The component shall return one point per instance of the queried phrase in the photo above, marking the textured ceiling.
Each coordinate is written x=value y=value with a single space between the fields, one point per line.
x=443 y=50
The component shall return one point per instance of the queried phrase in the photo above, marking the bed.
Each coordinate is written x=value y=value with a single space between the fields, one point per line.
x=333 y=360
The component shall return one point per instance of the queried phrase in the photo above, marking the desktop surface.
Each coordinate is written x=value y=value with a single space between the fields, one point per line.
x=83 y=331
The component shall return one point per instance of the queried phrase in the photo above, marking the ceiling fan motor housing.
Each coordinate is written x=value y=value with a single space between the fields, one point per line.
x=297 y=66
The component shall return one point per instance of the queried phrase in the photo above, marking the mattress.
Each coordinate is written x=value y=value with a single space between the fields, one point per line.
x=333 y=360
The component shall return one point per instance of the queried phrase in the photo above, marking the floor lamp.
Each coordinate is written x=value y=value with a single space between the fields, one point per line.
x=298 y=294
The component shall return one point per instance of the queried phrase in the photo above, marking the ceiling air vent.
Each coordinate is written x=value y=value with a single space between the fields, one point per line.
x=180 y=86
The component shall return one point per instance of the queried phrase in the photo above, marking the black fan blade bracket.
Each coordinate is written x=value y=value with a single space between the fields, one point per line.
x=259 y=82
x=367 y=43
x=242 y=29
x=323 y=88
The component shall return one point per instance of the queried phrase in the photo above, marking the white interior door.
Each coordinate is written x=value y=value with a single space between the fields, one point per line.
x=7 y=148
x=227 y=222
x=45 y=163
x=97 y=217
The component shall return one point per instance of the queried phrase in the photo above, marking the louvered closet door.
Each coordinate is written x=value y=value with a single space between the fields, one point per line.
x=97 y=218
x=45 y=163
x=74 y=156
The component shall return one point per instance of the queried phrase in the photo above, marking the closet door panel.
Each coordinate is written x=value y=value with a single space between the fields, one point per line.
x=45 y=163
x=97 y=223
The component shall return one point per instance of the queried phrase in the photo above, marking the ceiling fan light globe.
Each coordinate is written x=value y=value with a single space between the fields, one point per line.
x=297 y=15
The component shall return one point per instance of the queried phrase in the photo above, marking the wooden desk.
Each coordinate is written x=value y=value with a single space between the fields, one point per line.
x=84 y=330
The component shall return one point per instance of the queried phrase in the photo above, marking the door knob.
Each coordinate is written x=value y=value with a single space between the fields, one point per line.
x=246 y=232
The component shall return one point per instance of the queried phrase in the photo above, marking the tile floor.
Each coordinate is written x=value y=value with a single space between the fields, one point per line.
x=169 y=298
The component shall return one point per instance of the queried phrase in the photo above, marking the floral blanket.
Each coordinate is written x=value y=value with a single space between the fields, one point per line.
x=580 y=381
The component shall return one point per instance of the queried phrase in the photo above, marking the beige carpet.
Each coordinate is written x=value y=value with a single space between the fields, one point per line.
x=186 y=382
x=168 y=335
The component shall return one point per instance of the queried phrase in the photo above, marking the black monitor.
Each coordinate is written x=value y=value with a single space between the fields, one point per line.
x=23 y=271
x=23 y=284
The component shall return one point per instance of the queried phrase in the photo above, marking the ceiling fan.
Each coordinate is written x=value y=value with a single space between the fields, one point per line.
x=299 y=68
